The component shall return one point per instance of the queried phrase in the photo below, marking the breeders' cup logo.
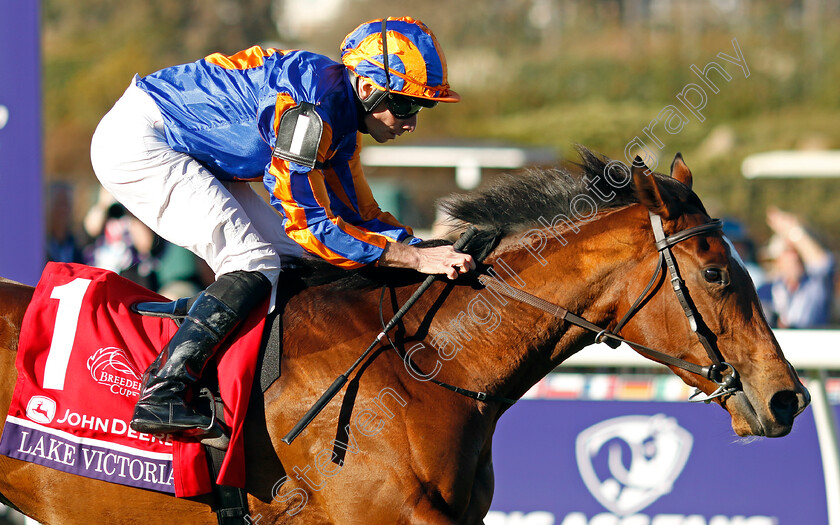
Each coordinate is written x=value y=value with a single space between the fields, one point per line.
x=40 y=409
x=111 y=367
x=4 y=116
x=628 y=462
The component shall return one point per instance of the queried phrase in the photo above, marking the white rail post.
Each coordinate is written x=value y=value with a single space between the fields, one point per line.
x=827 y=436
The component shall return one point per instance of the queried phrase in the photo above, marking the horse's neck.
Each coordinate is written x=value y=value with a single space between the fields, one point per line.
x=529 y=343
x=481 y=340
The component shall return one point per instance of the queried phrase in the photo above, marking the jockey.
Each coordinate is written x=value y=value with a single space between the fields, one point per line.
x=178 y=146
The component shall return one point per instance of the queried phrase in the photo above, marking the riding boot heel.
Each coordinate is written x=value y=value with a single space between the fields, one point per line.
x=162 y=406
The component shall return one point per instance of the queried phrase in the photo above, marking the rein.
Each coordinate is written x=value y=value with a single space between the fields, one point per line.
x=727 y=384
x=472 y=394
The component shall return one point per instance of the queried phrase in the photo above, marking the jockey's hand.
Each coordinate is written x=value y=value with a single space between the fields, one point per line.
x=436 y=260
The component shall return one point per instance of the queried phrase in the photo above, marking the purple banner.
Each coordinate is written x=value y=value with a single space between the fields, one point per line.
x=91 y=458
x=21 y=222
x=650 y=463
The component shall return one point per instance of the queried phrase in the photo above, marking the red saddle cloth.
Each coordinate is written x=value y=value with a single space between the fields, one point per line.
x=80 y=359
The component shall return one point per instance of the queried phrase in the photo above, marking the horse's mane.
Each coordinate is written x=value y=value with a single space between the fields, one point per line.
x=516 y=202
x=512 y=203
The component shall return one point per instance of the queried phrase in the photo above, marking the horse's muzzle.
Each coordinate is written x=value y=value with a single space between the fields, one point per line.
x=784 y=406
x=788 y=404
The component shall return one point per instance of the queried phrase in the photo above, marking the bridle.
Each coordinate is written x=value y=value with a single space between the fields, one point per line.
x=728 y=383
x=716 y=372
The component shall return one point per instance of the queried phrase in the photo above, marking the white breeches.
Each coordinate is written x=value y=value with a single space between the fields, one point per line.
x=227 y=224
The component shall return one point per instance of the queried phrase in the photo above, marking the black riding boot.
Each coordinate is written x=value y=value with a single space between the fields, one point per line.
x=162 y=407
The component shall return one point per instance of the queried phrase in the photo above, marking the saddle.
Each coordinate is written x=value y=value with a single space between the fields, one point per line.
x=231 y=502
x=269 y=361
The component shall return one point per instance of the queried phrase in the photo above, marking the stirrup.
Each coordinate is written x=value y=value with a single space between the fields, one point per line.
x=214 y=434
x=214 y=437
x=176 y=309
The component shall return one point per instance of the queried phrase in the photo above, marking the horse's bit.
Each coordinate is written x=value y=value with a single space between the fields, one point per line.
x=727 y=383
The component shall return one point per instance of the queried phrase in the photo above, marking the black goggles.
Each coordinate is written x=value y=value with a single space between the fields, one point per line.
x=401 y=106
x=404 y=107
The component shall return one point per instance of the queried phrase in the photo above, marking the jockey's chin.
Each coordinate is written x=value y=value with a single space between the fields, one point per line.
x=383 y=126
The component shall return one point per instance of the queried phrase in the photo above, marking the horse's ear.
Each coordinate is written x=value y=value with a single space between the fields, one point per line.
x=680 y=171
x=648 y=190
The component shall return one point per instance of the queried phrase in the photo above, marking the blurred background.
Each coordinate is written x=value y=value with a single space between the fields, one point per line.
x=537 y=74
x=534 y=72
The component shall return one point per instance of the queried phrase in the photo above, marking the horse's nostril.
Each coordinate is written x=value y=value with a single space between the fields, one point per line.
x=784 y=405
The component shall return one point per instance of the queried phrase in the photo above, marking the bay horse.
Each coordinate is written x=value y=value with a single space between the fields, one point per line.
x=591 y=251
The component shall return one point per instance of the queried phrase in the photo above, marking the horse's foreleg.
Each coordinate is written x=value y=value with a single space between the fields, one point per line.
x=481 y=494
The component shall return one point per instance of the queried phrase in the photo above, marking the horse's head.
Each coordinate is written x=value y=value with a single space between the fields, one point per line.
x=643 y=261
x=713 y=314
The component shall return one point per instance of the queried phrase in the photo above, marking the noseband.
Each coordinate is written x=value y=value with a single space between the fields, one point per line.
x=728 y=383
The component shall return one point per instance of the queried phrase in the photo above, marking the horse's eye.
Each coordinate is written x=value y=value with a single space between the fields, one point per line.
x=715 y=275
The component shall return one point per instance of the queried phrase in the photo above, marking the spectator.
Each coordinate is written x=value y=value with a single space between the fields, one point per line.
x=181 y=273
x=94 y=221
x=121 y=243
x=745 y=248
x=800 y=288
x=61 y=242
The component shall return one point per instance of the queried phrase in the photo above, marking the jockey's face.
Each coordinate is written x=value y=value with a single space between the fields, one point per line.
x=381 y=123
x=384 y=126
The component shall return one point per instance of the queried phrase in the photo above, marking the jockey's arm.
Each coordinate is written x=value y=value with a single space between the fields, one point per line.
x=434 y=260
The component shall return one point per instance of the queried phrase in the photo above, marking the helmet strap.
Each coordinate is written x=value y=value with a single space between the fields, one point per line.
x=370 y=102
x=385 y=55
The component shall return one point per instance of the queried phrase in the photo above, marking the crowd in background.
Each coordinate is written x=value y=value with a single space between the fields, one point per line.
x=113 y=239
x=793 y=273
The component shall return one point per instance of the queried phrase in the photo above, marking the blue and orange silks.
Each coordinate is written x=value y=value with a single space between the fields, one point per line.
x=224 y=111
x=416 y=64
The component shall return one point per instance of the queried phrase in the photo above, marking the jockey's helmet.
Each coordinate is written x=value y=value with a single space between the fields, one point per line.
x=414 y=66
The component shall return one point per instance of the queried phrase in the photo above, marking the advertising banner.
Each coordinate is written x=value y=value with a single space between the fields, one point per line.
x=21 y=223
x=650 y=463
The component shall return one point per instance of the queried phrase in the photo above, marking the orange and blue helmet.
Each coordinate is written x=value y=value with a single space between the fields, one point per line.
x=414 y=65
